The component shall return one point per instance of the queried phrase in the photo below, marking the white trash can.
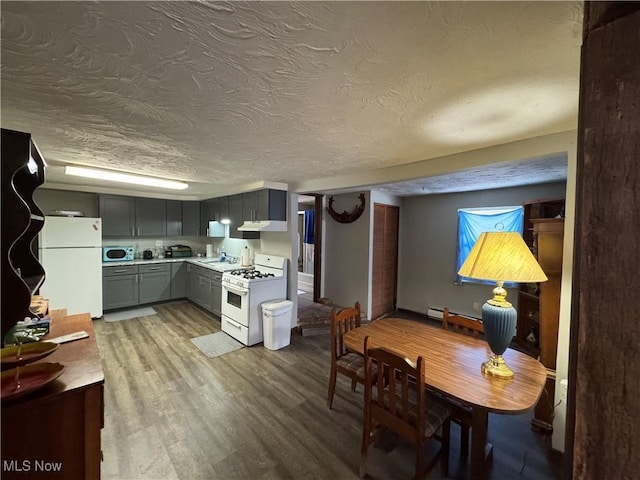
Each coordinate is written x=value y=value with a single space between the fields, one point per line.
x=276 y=323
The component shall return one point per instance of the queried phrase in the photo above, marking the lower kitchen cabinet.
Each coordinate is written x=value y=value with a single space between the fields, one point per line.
x=216 y=293
x=200 y=286
x=131 y=285
x=119 y=287
x=178 y=280
x=154 y=283
x=204 y=288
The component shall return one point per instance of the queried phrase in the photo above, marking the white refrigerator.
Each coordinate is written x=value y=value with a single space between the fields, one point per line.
x=70 y=251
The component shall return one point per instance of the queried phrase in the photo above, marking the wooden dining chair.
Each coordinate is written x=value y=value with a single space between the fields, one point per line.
x=461 y=414
x=343 y=361
x=461 y=324
x=402 y=406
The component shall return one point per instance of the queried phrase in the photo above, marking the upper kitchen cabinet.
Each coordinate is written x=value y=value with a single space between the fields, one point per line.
x=265 y=204
x=118 y=215
x=22 y=172
x=213 y=210
x=236 y=218
x=221 y=209
x=190 y=219
x=206 y=215
x=174 y=218
x=131 y=217
x=151 y=217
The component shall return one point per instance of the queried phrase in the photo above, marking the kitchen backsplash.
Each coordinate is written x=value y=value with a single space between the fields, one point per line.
x=231 y=246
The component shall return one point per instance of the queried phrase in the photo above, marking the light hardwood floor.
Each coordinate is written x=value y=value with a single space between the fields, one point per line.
x=171 y=412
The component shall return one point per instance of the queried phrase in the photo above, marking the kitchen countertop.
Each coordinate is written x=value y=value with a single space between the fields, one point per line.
x=205 y=262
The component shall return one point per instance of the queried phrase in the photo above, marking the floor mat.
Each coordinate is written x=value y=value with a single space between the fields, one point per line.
x=128 y=314
x=216 y=344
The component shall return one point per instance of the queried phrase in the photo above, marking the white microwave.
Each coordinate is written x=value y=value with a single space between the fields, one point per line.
x=117 y=254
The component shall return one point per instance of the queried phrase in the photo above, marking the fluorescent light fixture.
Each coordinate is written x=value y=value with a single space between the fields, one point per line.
x=124 y=178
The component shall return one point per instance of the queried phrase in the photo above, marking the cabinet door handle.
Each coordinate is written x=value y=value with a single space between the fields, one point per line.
x=138 y=231
x=137 y=280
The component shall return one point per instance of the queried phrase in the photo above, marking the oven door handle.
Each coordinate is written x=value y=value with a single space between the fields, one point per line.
x=238 y=290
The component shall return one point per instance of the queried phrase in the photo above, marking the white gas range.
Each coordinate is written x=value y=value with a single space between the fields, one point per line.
x=244 y=291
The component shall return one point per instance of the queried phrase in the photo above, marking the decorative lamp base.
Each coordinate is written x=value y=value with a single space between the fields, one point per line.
x=497 y=367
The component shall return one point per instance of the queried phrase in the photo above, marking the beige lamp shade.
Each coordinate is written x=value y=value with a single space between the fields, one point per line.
x=502 y=256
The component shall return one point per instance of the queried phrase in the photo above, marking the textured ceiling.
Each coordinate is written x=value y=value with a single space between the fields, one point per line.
x=224 y=94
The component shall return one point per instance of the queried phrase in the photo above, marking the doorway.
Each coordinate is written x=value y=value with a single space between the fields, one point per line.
x=310 y=210
x=306 y=243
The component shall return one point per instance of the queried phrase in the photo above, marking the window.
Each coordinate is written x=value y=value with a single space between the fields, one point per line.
x=473 y=221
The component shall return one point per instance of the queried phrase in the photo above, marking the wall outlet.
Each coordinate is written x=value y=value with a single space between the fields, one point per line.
x=564 y=386
x=159 y=243
x=476 y=307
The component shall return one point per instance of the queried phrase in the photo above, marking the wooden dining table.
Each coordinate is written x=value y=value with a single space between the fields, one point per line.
x=453 y=368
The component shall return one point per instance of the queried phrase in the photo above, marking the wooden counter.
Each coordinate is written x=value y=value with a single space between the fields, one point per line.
x=54 y=432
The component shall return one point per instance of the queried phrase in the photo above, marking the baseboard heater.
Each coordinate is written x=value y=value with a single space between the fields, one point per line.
x=438 y=313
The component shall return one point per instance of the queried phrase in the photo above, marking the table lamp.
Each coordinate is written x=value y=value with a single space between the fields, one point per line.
x=500 y=257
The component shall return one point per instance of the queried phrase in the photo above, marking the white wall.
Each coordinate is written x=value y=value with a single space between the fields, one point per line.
x=346 y=254
x=428 y=239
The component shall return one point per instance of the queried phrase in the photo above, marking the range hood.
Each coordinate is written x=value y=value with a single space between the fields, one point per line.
x=264 y=226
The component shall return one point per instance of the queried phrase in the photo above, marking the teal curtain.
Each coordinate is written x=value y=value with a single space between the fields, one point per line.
x=473 y=221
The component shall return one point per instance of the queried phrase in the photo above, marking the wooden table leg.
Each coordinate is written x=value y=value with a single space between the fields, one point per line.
x=481 y=451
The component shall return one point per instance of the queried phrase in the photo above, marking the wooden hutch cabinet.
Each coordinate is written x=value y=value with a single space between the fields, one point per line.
x=539 y=303
x=22 y=274
x=57 y=426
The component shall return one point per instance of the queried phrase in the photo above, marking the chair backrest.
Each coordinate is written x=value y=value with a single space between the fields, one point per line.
x=342 y=321
x=461 y=324
x=400 y=405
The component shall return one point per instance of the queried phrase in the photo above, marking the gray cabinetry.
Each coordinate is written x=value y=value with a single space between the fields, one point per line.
x=118 y=215
x=151 y=216
x=119 y=287
x=209 y=213
x=191 y=219
x=130 y=217
x=221 y=209
x=270 y=205
x=174 y=218
x=267 y=204
x=236 y=217
x=216 y=293
x=199 y=286
x=178 y=280
x=154 y=283
x=206 y=215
